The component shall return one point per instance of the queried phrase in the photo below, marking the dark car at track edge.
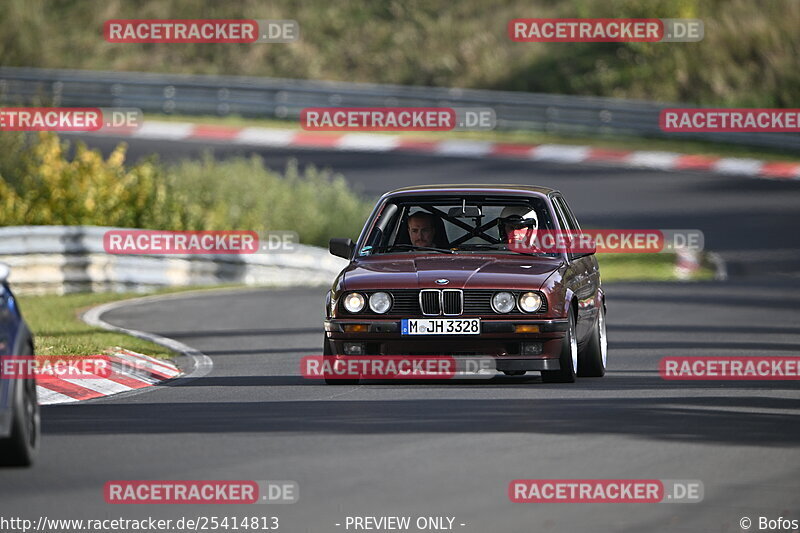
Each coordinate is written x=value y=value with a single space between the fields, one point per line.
x=19 y=408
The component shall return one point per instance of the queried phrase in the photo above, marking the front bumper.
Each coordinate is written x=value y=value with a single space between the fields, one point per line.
x=498 y=339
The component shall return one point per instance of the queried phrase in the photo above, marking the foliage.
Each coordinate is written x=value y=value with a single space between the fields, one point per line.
x=42 y=184
x=747 y=58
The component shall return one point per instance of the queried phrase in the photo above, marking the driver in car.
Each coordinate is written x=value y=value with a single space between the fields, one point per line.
x=422 y=229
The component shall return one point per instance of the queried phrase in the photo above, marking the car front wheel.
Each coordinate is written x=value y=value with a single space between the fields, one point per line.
x=21 y=447
x=592 y=359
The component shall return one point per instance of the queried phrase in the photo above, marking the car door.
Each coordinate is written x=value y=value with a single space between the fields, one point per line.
x=585 y=272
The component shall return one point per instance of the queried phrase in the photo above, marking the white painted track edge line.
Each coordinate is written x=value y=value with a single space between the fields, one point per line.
x=202 y=364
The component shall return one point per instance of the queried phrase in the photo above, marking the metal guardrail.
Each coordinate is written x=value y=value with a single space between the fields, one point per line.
x=284 y=99
x=66 y=259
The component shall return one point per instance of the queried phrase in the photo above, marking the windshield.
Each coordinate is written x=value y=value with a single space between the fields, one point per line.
x=458 y=225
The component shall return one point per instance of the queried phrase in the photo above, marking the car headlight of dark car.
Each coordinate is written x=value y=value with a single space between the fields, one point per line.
x=354 y=302
x=380 y=302
x=503 y=302
x=530 y=302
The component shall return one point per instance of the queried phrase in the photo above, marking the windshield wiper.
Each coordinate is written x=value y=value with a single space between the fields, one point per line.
x=532 y=254
x=478 y=246
x=426 y=248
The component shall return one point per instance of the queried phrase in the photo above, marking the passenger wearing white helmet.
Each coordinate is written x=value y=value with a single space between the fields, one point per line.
x=518 y=226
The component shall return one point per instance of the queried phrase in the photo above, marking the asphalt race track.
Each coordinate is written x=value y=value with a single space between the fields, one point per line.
x=451 y=448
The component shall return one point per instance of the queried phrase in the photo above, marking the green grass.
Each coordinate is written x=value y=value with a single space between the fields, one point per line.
x=644 y=267
x=616 y=142
x=58 y=330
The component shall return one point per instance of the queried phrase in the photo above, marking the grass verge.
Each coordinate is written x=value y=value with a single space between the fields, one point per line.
x=58 y=330
x=645 y=267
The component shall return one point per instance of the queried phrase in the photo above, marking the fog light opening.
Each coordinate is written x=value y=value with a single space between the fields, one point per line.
x=531 y=348
x=354 y=348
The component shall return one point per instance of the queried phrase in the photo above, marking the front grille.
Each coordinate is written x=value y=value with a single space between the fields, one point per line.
x=429 y=301
x=469 y=302
x=452 y=303
x=405 y=302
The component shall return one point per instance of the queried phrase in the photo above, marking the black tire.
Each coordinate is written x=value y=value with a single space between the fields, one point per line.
x=328 y=355
x=22 y=446
x=568 y=358
x=592 y=359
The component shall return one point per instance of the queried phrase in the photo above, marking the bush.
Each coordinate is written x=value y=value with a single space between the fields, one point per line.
x=241 y=193
x=41 y=185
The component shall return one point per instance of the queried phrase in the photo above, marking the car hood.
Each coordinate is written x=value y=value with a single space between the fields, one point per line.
x=474 y=272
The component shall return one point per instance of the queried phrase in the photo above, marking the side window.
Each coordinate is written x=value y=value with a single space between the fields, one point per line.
x=563 y=222
x=565 y=219
x=381 y=229
x=573 y=222
x=398 y=225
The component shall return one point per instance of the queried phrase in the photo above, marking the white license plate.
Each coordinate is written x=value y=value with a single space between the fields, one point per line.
x=440 y=326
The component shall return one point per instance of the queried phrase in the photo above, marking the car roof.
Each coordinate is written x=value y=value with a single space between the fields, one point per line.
x=470 y=188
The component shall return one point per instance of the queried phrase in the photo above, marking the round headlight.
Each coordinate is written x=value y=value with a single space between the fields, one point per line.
x=354 y=302
x=530 y=302
x=380 y=302
x=503 y=302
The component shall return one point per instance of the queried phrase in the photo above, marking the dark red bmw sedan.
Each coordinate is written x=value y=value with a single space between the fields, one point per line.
x=452 y=270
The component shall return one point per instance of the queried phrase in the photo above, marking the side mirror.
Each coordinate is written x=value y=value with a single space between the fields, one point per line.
x=584 y=246
x=580 y=244
x=341 y=248
x=5 y=271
